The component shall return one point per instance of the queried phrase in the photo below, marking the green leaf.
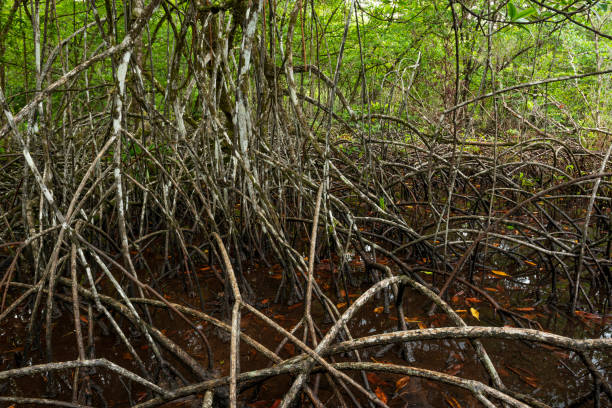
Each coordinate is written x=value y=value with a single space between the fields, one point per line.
x=512 y=11
x=381 y=203
x=523 y=14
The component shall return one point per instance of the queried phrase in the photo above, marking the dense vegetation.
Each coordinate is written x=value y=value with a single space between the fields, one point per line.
x=182 y=158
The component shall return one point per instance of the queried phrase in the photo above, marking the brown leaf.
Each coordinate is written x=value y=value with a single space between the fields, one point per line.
x=127 y=356
x=290 y=348
x=295 y=305
x=374 y=379
x=454 y=369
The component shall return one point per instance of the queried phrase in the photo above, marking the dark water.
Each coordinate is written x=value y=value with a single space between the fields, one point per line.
x=554 y=376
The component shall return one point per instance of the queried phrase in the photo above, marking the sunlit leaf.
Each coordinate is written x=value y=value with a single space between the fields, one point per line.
x=475 y=313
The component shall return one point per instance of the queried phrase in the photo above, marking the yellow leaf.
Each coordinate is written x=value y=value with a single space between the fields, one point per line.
x=530 y=263
x=379 y=309
x=341 y=305
x=422 y=326
x=411 y=319
x=452 y=402
x=500 y=273
x=475 y=313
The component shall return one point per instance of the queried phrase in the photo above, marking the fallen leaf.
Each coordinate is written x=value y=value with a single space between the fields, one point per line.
x=127 y=356
x=525 y=309
x=475 y=313
x=381 y=395
x=379 y=309
x=530 y=263
x=275 y=404
x=15 y=350
x=263 y=302
x=290 y=348
x=452 y=402
x=491 y=289
x=422 y=326
x=295 y=305
x=454 y=369
x=499 y=273
x=341 y=305
x=374 y=379
x=473 y=300
x=401 y=383
x=83 y=319
x=411 y=319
